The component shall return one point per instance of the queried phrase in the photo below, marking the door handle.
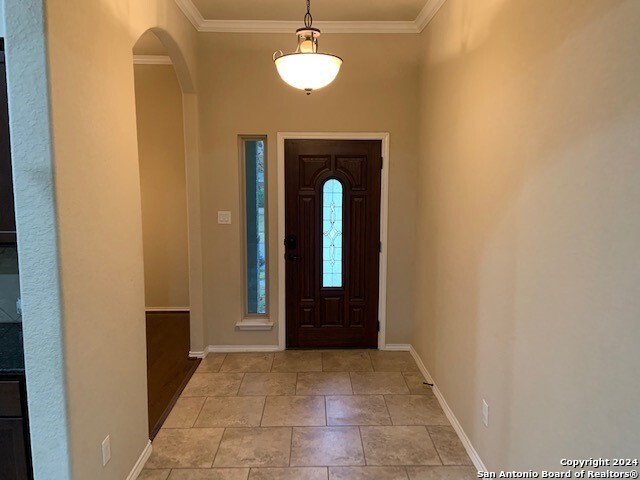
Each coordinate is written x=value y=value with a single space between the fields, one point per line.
x=291 y=242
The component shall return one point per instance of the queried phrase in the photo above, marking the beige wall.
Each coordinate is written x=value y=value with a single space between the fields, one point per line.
x=529 y=224
x=98 y=211
x=241 y=93
x=163 y=186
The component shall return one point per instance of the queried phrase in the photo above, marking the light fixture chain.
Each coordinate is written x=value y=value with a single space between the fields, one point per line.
x=308 y=19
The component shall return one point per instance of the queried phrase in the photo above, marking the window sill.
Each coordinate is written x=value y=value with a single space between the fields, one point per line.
x=255 y=324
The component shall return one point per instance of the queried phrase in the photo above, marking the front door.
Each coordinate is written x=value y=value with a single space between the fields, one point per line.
x=332 y=217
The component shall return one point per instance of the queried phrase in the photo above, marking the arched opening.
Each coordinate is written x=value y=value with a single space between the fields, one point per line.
x=165 y=198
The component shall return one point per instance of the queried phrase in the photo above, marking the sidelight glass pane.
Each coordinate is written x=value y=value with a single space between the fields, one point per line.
x=332 y=233
x=255 y=221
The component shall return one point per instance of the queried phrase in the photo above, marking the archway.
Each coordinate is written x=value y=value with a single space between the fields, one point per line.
x=168 y=162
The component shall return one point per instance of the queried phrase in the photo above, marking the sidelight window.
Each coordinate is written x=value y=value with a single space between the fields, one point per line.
x=253 y=163
x=332 y=225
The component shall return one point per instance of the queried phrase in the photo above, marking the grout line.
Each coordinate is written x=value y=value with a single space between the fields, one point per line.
x=264 y=406
x=291 y=447
x=224 y=430
x=364 y=454
x=434 y=445
x=199 y=412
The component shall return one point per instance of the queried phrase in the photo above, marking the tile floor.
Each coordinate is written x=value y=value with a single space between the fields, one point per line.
x=297 y=415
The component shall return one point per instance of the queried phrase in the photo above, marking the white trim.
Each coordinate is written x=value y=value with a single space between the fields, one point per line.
x=255 y=324
x=191 y=12
x=241 y=348
x=384 y=223
x=471 y=451
x=427 y=13
x=167 y=309
x=137 y=468
x=397 y=347
x=285 y=26
x=152 y=60
x=196 y=354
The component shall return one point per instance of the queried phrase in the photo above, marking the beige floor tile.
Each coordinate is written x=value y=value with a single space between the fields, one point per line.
x=185 y=448
x=442 y=473
x=330 y=446
x=367 y=473
x=154 y=474
x=294 y=411
x=324 y=383
x=415 y=410
x=357 y=410
x=392 y=361
x=346 y=361
x=210 y=474
x=184 y=412
x=367 y=383
x=297 y=361
x=398 y=446
x=231 y=412
x=213 y=385
x=211 y=363
x=415 y=382
x=254 y=447
x=268 y=384
x=301 y=473
x=247 y=362
x=449 y=446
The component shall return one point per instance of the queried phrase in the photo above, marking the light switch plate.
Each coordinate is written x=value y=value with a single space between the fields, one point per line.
x=224 y=218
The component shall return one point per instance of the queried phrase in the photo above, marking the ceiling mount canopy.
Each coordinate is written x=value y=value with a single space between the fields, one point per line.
x=306 y=69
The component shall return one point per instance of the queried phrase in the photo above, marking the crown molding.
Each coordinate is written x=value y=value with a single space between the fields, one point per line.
x=427 y=13
x=277 y=26
x=152 y=60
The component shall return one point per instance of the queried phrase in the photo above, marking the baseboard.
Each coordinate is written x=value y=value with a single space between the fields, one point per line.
x=137 y=468
x=473 y=454
x=242 y=348
x=397 y=347
x=198 y=354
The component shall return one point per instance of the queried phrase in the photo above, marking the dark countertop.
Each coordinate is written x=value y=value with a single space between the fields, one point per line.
x=11 y=350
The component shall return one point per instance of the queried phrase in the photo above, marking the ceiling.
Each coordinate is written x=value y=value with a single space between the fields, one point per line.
x=332 y=16
x=325 y=10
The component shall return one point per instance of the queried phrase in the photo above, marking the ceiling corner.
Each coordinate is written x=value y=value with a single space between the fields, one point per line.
x=191 y=12
x=427 y=13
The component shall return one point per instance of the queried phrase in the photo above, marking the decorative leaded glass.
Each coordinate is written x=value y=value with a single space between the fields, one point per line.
x=332 y=234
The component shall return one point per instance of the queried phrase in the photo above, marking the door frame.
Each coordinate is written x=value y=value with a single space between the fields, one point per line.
x=384 y=223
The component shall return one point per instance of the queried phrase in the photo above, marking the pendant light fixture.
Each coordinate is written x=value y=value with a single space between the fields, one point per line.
x=306 y=69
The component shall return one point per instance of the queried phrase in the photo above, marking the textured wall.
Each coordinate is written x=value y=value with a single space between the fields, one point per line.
x=527 y=291
x=163 y=186
x=80 y=231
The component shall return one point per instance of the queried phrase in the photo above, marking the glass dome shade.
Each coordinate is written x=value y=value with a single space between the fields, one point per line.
x=308 y=71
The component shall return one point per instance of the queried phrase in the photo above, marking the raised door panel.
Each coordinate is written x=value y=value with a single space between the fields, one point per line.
x=13 y=455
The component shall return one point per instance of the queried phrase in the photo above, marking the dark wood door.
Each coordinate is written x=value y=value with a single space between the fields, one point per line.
x=332 y=217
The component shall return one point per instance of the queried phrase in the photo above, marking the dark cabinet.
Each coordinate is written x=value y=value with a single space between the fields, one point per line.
x=13 y=454
x=15 y=460
x=7 y=216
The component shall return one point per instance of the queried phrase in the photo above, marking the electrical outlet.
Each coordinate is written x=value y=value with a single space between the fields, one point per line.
x=485 y=413
x=224 y=218
x=106 y=450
